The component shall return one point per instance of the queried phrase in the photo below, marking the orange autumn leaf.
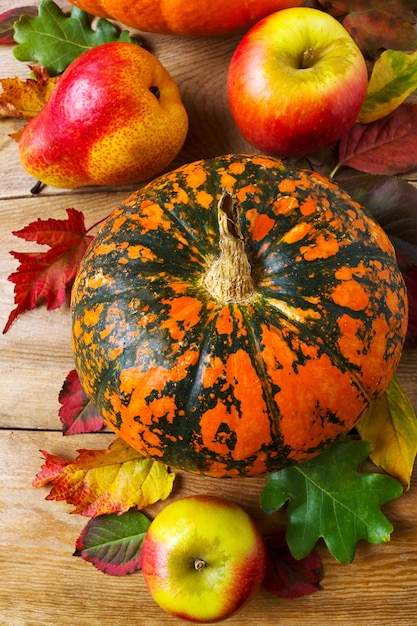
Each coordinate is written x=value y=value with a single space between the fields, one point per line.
x=99 y=482
x=26 y=98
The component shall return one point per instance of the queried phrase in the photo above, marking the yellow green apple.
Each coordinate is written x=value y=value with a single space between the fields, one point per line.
x=296 y=82
x=203 y=557
x=115 y=117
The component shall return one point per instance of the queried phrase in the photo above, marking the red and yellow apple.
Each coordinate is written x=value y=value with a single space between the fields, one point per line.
x=115 y=117
x=203 y=557
x=296 y=82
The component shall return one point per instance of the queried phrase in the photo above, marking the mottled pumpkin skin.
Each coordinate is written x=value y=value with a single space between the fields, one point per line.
x=197 y=18
x=237 y=388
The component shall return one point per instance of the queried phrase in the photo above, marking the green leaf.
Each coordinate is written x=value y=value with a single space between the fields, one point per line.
x=54 y=39
x=391 y=427
x=393 y=79
x=113 y=543
x=327 y=498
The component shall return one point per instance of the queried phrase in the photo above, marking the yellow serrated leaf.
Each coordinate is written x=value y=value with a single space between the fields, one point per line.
x=393 y=79
x=26 y=98
x=390 y=425
x=114 y=480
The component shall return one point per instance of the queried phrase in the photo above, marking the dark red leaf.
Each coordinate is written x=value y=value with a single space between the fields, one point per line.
x=392 y=201
x=113 y=543
x=47 y=275
x=8 y=18
x=387 y=146
x=376 y=24
x=77 y=413
x=287 y=577
x=409 y=271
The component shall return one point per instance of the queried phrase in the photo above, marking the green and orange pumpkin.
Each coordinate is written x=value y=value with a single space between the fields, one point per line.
x=236 y=316
x=181 y=17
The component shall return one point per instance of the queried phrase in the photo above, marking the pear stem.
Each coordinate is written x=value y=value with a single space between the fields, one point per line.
x=37 y=187
x=229 y=279
x=199 y=564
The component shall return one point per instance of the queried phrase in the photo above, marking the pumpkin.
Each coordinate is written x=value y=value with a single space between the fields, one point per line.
x=236 y=316
x=182 y=17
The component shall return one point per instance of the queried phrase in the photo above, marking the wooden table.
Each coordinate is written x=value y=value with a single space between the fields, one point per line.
x=40 y=582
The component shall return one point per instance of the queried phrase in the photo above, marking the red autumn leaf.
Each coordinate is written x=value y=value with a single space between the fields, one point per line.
x=392 y=201
x=409 y=271
x=287 y=577
x=46 y=276
x=51 y=470
x=113 y=543
x=100 y=482
x=77 y=413
x=376 y=24
x=386 y=146
x=8 y=18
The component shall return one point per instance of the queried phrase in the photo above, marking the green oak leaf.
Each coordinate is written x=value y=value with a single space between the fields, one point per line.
x=54 y=39
x=393 y=79
x=328 y=498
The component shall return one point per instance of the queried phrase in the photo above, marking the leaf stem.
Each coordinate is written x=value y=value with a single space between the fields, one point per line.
x=90 y=228
x=334 y=171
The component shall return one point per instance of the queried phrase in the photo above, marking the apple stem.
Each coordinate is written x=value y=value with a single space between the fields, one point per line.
x=199 y=564
x=307 y=58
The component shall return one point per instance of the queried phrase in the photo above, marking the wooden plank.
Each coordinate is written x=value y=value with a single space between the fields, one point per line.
x=41 y=579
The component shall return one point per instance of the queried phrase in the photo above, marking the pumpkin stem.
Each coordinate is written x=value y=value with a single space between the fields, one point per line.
x=229 y=279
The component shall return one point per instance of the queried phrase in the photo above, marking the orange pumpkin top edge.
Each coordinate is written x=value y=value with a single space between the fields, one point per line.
x=181 y=17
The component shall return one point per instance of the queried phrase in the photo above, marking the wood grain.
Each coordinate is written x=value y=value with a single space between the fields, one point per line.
x=41 y=582
x=41 y=579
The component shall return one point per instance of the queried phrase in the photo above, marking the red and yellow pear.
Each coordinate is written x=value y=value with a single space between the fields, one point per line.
x=115 y=117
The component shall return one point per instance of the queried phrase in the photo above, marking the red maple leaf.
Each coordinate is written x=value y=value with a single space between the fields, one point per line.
x=46 y=276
